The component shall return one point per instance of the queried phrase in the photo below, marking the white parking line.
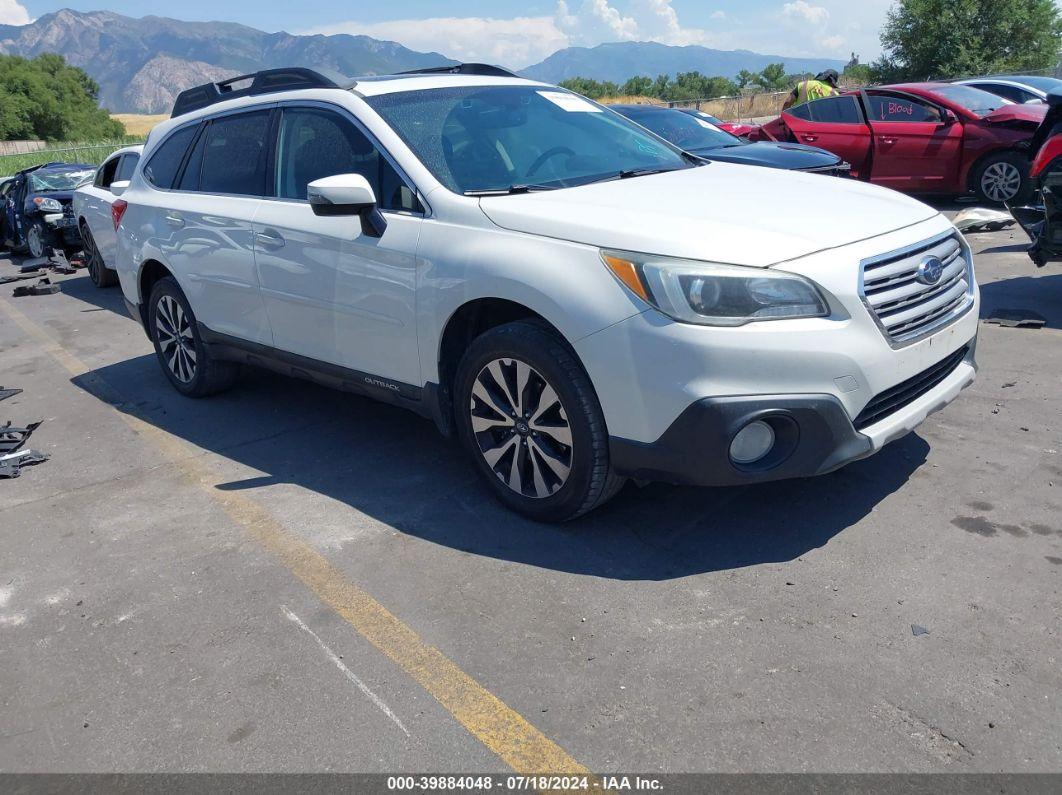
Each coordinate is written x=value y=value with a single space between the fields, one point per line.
x=346 y=671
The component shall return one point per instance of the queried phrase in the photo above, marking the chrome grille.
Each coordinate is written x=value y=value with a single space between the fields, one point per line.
x=905 y=308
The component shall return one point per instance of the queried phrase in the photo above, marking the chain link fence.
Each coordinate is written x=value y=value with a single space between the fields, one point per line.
x=90 y=154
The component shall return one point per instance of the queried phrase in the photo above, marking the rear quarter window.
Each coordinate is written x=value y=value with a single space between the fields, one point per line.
x=161 y=168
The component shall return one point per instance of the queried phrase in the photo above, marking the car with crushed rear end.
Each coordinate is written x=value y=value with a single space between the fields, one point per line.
x=925 y=138
x=577 y=301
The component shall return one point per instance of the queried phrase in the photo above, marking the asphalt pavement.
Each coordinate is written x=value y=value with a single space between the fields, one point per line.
x=285 y=578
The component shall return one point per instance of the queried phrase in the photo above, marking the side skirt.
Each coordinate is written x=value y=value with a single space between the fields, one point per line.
x=423 y=401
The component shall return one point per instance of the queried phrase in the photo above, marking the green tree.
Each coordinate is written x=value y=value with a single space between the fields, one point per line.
x=638 y=86
x=774 y=78
x=46 y=98
x=925 y=39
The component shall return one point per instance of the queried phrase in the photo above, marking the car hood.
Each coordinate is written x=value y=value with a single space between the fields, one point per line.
x=1009 y=113
x=791 y=156
x=721 y=212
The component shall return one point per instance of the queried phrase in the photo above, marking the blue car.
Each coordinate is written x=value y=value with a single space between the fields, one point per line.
x=695 y=133
x=38 y=212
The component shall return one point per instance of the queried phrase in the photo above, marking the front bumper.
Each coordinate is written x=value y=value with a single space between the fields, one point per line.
x=814 y=433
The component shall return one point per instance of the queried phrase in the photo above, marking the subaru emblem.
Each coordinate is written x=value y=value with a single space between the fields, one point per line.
x=930 y=270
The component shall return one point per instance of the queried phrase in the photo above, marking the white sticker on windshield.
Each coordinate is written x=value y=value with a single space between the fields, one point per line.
x=708 y=125
x=569 y=102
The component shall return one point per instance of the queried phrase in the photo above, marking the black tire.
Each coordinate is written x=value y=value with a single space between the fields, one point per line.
x=193 y=372
x=590 y=481
x=36 y=233
x=98 y=272
x=992 y=190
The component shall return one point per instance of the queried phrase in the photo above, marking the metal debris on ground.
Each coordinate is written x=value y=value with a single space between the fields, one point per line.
x=21 y=276
x=917 y=630
x=981 y=219
x=11 y=463
x=12 y=439
x=43 y=287
x=1016 y=318
x=6 y=393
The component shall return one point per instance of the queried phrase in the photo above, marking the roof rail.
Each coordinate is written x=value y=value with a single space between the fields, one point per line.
x=265 y=82
x=464 y=69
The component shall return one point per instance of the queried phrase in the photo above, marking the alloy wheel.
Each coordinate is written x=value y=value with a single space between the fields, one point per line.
x=35 y=242
x=521 y=428
x=176 y=342
x=1001 y=182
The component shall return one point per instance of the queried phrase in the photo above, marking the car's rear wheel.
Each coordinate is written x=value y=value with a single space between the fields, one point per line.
x=1003 y=178
x=35 y=239
x=528 y=415
x=99 y=273
x=185 y=360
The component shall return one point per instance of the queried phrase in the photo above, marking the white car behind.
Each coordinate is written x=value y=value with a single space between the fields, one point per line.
x=92 y=208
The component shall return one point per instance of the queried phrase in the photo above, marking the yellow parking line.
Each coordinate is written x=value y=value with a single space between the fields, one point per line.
x=500 y=728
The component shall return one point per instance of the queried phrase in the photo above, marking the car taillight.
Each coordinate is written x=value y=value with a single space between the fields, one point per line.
x=117 y=211
x=1048 y=152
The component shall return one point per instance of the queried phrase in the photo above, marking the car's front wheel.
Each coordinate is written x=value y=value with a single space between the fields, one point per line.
x=185 y=360
x=1003 y=178
x=99 y=273
x=35 y=236
x=528 y=415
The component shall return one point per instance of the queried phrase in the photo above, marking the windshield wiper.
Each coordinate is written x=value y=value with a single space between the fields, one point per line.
x=510 y=191
x=642 y=172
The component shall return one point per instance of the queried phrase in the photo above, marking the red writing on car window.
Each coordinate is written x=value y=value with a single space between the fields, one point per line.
x=896 y=109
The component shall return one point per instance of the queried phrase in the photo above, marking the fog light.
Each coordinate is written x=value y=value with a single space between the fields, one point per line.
x=752 y=443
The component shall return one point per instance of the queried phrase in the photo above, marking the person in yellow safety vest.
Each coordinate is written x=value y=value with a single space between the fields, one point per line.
x=824 y=85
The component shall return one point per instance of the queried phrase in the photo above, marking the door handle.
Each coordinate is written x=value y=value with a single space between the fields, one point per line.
x=174 y=220
x=269 y=240
x=886 y=139
x=810 y=138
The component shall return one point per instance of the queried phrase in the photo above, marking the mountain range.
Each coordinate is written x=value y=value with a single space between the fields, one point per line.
x=141 y=64
x=618 y=61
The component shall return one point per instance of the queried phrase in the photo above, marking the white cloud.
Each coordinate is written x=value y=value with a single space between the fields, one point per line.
x=816 y=15
x=13 y=13
x=594 y=21
x=823 y=28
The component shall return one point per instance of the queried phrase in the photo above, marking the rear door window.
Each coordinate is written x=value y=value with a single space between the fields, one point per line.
x=234 y=154
x=831 y=110
x=126 y=167
x=891 y=108
x=161 y=169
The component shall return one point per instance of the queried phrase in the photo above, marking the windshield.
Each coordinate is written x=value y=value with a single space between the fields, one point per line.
x=973 y=99
x=687 y=132
x=43 y=182
x=494 y=138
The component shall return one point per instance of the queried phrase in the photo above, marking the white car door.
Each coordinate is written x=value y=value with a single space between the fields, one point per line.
x=332 y=292
x=203 y=225
x=93 y=204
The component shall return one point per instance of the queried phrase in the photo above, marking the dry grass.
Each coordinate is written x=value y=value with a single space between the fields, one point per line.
x=139 y=124
x=631 y=99
x=753 y=106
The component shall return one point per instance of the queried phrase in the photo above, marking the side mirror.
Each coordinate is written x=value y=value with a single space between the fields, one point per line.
x=119 y=187
x=347 y=194
x=1034 y=101
x=949 y=117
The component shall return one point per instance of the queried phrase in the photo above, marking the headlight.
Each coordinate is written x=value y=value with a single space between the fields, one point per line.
x=715 y=295
x=48 y=205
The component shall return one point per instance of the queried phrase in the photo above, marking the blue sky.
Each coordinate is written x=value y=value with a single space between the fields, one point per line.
x=521 y=32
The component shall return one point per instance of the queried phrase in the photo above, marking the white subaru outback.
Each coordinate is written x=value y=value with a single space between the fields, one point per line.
x=577 y=300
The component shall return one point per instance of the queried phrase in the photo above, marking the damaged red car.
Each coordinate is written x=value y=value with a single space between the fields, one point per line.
x=922 y=138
